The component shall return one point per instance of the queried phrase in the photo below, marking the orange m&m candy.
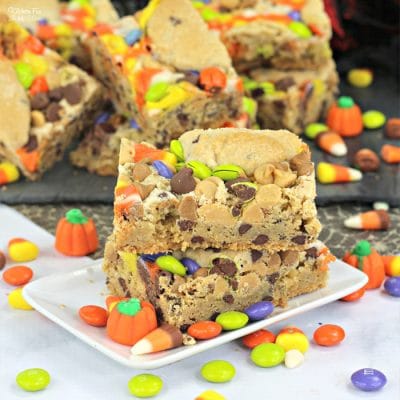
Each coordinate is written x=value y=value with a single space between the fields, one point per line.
x=18 y=275
x=254 y=339
x=204 y=330
x=355 y=295
x=94 y=315
x=329 y=335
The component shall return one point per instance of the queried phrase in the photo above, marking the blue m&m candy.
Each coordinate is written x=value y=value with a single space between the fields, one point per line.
x=368 y=379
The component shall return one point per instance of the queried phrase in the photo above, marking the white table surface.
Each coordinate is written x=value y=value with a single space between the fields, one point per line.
x=79 y=372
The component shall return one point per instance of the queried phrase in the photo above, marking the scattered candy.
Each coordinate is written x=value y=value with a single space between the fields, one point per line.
x=333 y=173
x=218 y=371
x=18 y=275
x=200 y=170
x=24 y=73
x=228 y=172
x=373 y=119
x=332 y=143
x=162 y=169
x=344 y=117
x=210 y=395
x=329 y=335
x=292 y=338
x=258 y=337
x=367 y=259
x=212 y=79
x=204 y=330
x=294 y=358
x=33 y=379
x=2 y=260
x=360 y=77
x=190 y=265
x=94 y=315
x=267 y=355
x=314 y=129
x=392 y=265
x=157 y=91
x=171 y=264
x=8 y=173
x=163 y=338
x=380 y=205
x=355 y=295
x=145 y=385
x=231 y=320
x=300 y=29
x=371 y=220
x=16 y=300
x=22 y=250
x=175 y=147
x=76 y=234
x=368 y=379
x=392 y=128
x=392 y=286
x=366 y=160
x=390 y=154
x=259 y=310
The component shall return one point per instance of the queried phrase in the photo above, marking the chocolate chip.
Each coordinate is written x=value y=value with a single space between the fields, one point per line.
x=268 y=298
x=228 y=298
x=228 y=184
x=197 y=239
x=256 y=255
x=312 y=252
x=32 y=144
x=2 y=260
x=300 y=239
x=192 y=77
x=183 y=182
x=73 y=93
x=175 y=21
x=236 y=209
x=184 y=328
x=185 y=225
x=183 y=118
x=290 y=257
x=257 y=92
x=244 y=228
x=243 y=192
x=40 y=101
x=260 y=239
x=101 y=130
x=53 y=112
x=223 y=266
x=273 y=277
x=123 y=285
x=284 y=83
x=234 y=284
x=56 y=94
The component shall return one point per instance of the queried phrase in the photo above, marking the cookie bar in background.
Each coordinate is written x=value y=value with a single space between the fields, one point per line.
x=98 y=151
x=283 y=34
x=215 y=281
x=167 y=71
x=48 y=102
x=292 y=99
x=223 y=188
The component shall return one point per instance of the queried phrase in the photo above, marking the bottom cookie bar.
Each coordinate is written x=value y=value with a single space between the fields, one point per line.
x=219 y=281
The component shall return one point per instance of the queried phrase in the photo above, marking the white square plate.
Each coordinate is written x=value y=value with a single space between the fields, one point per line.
x=60 y=296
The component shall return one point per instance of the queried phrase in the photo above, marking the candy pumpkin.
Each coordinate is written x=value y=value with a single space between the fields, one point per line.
x=369 y=261
x=76 y=234
x=130 y=321
x=345 y=118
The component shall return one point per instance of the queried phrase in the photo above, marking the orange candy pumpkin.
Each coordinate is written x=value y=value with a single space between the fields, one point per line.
x=76 y=234
x=368 y=261
x=344 y=117
x=131 y=320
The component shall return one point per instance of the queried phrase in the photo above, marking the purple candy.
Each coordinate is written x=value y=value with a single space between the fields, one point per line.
x=162 y=169
x=259 y=310
x=133 y=124
x=294 y=15
x=133 y=36
x=43 y=21
x=190 y=265
x=151 y=257
x=368 y=379
x=392 y=286
x=102 y=118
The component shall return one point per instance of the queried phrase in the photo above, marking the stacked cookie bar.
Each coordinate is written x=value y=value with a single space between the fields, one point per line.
x=166 y=70
x=282 y=46
x=223 y=219
x=46 y=102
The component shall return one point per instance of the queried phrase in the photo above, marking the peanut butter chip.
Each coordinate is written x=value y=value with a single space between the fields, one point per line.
x=252 y=213
x=144 y=190
x=264 y=174
x=302 y=163
x=216 y=214
x=290 y=258
x=201 y=273
x=140 y=172
x=269 y=195
x=284 y=178
x=207 y=188
x=187 y=208
x=183 y=182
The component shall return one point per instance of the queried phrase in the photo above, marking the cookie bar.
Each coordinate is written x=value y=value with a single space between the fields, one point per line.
x=99 y=150
x=48 y=102
x=166 y=70
x=224 y=279
x=292 y=99
x=283 y=34
x=232 y=188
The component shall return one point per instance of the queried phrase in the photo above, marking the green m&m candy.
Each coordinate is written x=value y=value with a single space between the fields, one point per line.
x=145 y=385
x=218 y=371
x=267 y=355
x=24 y=73
x=33 y=380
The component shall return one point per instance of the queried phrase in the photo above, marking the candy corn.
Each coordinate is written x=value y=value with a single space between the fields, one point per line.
x=332 y=143
x=333 y=173
x=371 y=220
x=392 y=265
x=8 y=173
x=163 y=338
x=391 y=154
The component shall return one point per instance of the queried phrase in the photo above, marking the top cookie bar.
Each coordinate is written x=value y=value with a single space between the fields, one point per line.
x=283 y=34
x=223 y=188
x=166 y=70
